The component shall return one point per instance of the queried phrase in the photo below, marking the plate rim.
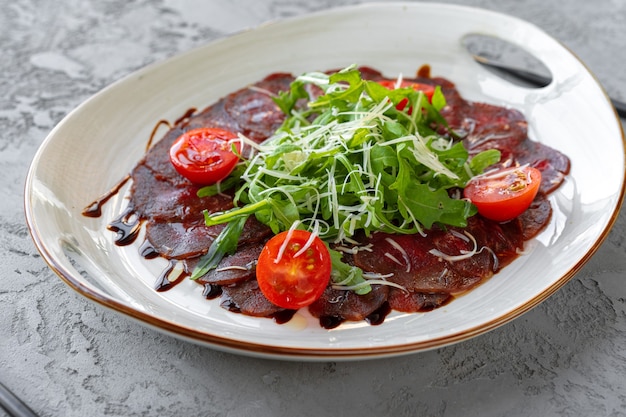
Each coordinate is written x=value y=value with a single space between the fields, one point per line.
x=285 y=352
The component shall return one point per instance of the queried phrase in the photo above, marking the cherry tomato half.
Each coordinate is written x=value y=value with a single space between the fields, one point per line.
x=204 y=156
x=428 y=89
x=290 y=278
x=505 y=194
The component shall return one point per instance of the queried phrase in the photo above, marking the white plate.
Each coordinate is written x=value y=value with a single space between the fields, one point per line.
x=100 y=141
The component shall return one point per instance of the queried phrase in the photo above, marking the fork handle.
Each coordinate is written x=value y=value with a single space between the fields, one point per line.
x=13 y=406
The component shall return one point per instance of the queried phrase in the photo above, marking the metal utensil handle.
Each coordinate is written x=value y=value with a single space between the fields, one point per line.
x=14 y=407
x=538 y=80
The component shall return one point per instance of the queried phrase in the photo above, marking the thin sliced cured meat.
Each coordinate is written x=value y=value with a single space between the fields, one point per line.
x=425 y=271
x=235 y=268
x=336 y=306
x=411 y=302
x=247 y=298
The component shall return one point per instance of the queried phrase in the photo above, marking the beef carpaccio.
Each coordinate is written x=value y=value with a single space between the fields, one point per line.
x=167 y=205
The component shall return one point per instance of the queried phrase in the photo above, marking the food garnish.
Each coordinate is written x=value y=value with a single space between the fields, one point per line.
x=205 y=155
x=504 y=194
x=293 y=269
x=355 y=159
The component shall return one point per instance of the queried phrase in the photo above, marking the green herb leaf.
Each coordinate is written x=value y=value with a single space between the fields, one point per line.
x=347 y=275
x=231 y=181
x=286 y=100
x=438 y=100
x=434 y=207
x=225 y=243
x=484 y=159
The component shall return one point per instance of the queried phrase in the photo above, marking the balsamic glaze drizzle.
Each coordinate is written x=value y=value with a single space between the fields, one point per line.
x=95 y=209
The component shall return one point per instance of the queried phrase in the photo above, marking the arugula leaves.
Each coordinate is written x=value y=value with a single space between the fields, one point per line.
x=351 y=161
x=224 y=244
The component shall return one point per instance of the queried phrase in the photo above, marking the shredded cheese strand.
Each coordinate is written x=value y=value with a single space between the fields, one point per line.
x=283 y=247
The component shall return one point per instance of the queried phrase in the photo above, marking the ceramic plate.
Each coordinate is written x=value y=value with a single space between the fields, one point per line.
x=99 y=142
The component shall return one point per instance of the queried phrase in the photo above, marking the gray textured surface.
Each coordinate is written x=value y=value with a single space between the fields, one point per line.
x=68 y=357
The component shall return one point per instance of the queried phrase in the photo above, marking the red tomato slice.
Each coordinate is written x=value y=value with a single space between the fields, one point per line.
x=505 y=194
x=291 y=278
x=428 y=89
x=204 y=156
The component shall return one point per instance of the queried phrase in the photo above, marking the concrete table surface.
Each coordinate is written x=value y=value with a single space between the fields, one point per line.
x=68 y=357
